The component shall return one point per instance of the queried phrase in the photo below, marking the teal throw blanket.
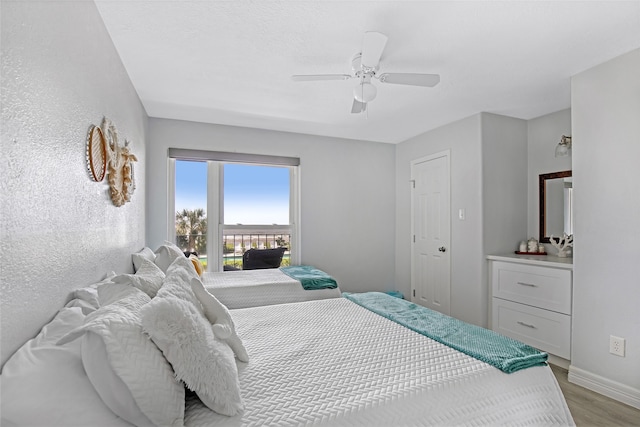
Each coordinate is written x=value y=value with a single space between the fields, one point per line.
x=310 y=277
x=504 y=353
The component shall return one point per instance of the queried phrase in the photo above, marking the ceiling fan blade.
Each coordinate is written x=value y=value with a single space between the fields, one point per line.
x=372 y=46
x=316 y=77
x=358 y=107
x=413 y=79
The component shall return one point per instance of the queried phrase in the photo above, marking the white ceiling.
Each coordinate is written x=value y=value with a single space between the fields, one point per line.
x=230 y=62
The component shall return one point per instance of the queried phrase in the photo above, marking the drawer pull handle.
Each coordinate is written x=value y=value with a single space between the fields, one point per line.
x=531 y=285
x=527 y=325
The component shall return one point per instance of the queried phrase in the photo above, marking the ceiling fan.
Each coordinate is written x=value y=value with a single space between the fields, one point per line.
x=365 y=67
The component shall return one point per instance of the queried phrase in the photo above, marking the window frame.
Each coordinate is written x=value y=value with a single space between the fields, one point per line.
x=215 y=199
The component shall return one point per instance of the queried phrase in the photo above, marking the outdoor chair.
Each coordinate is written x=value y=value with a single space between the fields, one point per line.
x=255 y=259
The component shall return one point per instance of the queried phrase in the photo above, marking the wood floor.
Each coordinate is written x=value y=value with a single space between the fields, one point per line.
x=592 y=409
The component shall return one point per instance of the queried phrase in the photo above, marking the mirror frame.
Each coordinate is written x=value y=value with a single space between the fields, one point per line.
x=542 y=185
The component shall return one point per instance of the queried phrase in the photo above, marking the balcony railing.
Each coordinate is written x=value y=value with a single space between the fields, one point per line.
x=234 y=245
x=236 y=240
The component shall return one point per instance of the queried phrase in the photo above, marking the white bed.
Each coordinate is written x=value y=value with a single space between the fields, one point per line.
x=328 y=362
x=333 y=362
x=252 y=288
x=128 y=345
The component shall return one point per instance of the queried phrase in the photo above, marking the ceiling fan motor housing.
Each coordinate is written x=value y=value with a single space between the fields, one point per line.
x=359 y=70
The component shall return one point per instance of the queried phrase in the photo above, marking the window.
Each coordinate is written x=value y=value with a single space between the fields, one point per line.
x=256 y=210
x=191 y=207
x=237 y=204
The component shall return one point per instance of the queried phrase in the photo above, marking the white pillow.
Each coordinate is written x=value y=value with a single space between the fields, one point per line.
x=220 y=318
x=111 y=389
x=148 y=278
x=144 y=253
x=82 y=305
x=90 y=293
x=41 y=371
x=205 y=363
x=136 y=361
x=112 y=292
x=166 y=254
x=176 y=282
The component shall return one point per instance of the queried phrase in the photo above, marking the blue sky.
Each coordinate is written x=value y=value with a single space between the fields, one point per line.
x=253 y=194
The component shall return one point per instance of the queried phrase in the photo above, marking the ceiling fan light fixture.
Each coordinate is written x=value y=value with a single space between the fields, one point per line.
x=365 y=92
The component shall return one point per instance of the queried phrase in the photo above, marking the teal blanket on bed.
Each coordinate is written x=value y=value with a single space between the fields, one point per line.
x=504 y=353
x=310 y=277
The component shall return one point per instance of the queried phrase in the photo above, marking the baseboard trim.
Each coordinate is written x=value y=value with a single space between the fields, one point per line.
x=615 y=390
x=559 y=361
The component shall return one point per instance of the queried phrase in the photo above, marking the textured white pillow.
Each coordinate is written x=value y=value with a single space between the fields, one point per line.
x=148 y=278
x=136 y=361
x=205 y=363
x=176 y=282
x=220 y=318
x=111 y=389
x=166 y=254
x=144 y=253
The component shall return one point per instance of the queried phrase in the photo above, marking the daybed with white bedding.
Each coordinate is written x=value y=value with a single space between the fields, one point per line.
x=127 y=346
x=251 y=288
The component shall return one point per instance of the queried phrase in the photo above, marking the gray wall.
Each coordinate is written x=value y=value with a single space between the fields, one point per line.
x=504 y=183
x=463 y=138
x=504 y=192
x=60 y=231
x=488 y=160
x=347 y=194
x=606 y=131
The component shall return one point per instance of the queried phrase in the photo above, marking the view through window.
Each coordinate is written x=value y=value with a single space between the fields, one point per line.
x=254 y=211
x=191 y=207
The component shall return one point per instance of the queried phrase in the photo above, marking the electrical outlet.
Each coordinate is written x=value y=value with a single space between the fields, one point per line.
x=616 y=346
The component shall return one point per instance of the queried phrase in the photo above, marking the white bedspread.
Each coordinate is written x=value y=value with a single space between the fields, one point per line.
x=333 y=362
x=252 y=288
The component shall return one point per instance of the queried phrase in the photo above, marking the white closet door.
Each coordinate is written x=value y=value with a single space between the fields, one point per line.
x=431 y=230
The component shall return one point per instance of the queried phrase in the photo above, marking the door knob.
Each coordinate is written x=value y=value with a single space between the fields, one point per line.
x=442 y=249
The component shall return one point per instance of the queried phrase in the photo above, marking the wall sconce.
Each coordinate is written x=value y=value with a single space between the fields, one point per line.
x=564 y=147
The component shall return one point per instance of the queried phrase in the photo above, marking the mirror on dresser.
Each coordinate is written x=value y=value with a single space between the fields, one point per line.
x=556 y=205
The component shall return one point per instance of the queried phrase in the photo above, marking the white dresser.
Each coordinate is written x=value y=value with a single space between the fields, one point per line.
x=532 y=300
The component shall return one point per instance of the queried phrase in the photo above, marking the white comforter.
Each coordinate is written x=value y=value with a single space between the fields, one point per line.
x=252 y=288
x=333 y=362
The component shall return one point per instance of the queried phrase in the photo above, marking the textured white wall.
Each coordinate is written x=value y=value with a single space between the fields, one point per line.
x=60 y=231
x=347 y=194
x=543 y=134
x=606 y=152
x=463 y=138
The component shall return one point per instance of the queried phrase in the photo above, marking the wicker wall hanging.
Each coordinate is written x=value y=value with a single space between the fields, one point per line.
x=96 y=154
x=105 y=154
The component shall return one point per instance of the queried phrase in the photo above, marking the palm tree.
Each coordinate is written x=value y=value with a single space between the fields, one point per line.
x=191 y=230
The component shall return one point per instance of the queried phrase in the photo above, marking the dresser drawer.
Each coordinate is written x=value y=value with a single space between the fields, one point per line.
x=542 y=329
x=543 y=287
